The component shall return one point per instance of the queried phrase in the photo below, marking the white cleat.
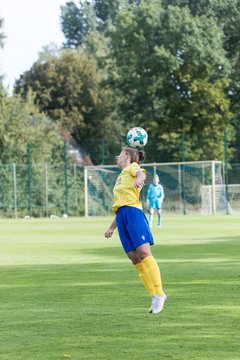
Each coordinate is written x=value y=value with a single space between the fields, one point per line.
x=151 y=306
x=157 y=303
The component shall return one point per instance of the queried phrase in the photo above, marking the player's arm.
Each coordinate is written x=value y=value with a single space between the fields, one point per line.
x=140 y=178
x=111 y=228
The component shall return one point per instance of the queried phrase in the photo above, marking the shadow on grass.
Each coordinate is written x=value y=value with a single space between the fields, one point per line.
x=218 y=248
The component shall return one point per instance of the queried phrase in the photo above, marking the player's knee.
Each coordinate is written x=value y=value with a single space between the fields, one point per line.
x=133 y=256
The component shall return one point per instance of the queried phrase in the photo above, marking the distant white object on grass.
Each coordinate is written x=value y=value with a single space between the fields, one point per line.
x=28 y=217
x=54 y=217
x=64 y=216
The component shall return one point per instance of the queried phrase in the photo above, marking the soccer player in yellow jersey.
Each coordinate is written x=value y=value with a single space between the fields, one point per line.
x=132 y=224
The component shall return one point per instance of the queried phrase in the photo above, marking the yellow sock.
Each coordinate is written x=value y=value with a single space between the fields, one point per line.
x=154 y=273
x=143 y=274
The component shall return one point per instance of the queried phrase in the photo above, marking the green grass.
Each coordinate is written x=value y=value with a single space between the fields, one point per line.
x=66 y=292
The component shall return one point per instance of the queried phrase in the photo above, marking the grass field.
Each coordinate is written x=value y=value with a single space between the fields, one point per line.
x=66 y=292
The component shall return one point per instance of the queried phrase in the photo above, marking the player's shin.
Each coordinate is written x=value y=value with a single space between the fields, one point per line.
x=154 y=273
x=145 y=278
x=150 y=220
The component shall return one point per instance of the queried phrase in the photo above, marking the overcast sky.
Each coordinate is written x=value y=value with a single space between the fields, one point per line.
x=29 y=25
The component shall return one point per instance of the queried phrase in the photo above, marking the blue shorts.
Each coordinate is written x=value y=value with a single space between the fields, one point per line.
x=133 y=228
x=155 y=204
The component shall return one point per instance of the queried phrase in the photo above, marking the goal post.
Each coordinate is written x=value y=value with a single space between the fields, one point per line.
x=227 y=199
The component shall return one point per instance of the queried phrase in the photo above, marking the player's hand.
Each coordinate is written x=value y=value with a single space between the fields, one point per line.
x=139 y=183
x=108 y=233
x=140 y=179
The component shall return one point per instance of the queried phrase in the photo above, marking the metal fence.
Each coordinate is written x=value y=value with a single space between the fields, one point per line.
x=190 y=188
x=38 y=190
x=41 y=190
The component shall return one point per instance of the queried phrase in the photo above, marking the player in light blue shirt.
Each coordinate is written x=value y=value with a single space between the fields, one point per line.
x=155 y=198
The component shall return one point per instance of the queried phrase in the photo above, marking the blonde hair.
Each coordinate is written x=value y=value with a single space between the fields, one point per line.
x=135 y=155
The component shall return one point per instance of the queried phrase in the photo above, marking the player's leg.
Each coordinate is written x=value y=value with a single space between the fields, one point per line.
x=144 y=253
x=159 y=212
x=142 y=272
x=142 y=239
x=137 y=228
x=130 y=247
x=151 y=211
x=153 y=271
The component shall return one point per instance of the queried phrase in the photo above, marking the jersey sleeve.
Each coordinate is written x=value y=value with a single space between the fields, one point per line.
x=135 y=168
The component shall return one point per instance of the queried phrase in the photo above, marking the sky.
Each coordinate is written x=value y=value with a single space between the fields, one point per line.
x=29 y=25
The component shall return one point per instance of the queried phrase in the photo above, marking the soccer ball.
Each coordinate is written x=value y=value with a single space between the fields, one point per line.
x=137 y=137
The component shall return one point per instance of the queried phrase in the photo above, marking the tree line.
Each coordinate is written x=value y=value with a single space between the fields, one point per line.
x=170 y=66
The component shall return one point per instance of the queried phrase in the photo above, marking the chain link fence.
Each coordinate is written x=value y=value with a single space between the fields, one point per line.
x=41 y=190
x=190 y=188
x=45 y=190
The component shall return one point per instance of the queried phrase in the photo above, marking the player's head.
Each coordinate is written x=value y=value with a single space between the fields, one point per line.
x=129 y=155
x=135 y=155
x=156 y=179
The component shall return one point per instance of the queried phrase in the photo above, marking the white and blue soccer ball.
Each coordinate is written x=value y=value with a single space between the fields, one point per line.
x=137 y=137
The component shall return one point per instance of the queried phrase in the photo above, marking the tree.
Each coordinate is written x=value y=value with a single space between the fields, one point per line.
x=106 y=11
x=226 y=14
x=77 y=22
x=68 y=88
x=167 y=61
x=21 y=123
x=159 y=52
x=2 y=37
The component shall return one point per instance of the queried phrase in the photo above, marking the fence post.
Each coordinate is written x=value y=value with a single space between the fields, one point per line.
x=226 y=171
x=86 y=190
x=154 y=169
x=15 y=190
x=75 y=185
x=29 y=179
x=46 y=188
x=183 y=177
x=213 y=188
x=65 y=179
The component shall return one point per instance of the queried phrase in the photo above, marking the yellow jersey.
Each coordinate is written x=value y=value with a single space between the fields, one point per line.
x=124 y=191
